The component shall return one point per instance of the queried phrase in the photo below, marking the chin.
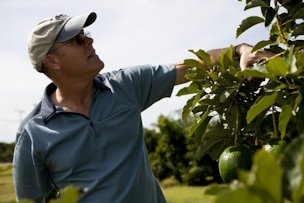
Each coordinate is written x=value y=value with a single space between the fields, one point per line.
x=100 y=65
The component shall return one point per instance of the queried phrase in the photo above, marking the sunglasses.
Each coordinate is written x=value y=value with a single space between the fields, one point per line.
x=80 y=39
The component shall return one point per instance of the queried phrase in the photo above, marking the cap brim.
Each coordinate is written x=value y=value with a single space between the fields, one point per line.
x=74 y=25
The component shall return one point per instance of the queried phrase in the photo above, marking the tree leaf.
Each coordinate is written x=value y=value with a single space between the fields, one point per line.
x=263 y=104
x=299 y=13
x=202 y=55
x=193 y=63
x=226 y=94
x=256 y=3
x=277 y=66
x=284 y=118
x=299 y=30
x=248 y=23
x=213 y=134
x=200 y=130
x=261 y=45
x=298 y=193
x=187 y=108
x=193 y=87
x=243 y=194
x=268 y=175
x=291 y=163
x=257 y=73
x=269 y=16
x=68 y=194
x=183 y=91
x=196 y=125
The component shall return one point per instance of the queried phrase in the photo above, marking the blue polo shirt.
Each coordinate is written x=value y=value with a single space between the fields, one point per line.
x=105 y=153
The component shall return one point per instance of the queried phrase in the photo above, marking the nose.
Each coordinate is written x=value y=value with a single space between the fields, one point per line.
x=88 y=41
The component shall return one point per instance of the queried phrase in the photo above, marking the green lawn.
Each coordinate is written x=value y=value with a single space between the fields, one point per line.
x=186 y=194
x=174 y=194
x=6 y=186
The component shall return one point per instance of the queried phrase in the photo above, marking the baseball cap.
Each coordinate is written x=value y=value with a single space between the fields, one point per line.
x=59 y=28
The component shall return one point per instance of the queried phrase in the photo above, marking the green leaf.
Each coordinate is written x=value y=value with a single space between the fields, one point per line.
x=284 y=118
x=268 y=175
x=216 y=150
x=257 y=72
x=213 y=134
x=69 y=194
x=183 y=91
x=193 y=87
x=299 y=30
x=200 y=130
x=299 y=13
x=244 y=194
x=248 y=23
x=256 y=3
x=277 y=66
x=291 y=162
x=298 y=193
x=261 y=45
x=196 y=125
x=187 y=108
x=226 y=94
x=193 y=63
x=263 y=104
x=269 y=16
x=297 y=101
x=299 y=62
x=202 y=55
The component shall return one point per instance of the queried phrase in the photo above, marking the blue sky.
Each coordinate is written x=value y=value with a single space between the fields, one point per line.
x=127 y=32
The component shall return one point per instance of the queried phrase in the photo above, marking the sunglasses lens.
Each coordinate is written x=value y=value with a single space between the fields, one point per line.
x=80 y=38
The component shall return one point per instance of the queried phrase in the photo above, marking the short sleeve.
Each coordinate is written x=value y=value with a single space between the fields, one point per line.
x=151 y=83
x=28 y=182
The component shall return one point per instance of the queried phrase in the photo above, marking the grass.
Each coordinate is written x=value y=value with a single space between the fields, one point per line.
x=186 y=194
x=173 y=194
x=7 y=193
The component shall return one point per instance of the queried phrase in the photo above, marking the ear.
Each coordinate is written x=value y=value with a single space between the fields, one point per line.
x=50 y=62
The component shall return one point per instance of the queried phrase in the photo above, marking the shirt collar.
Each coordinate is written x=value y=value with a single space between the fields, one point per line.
x=48 y=109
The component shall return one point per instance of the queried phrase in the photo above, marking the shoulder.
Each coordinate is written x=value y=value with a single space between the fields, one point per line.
x=27 y=121
x=138 y=70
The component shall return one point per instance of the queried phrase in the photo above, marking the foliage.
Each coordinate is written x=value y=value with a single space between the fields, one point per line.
x=171 y=154
x=6 y=152
x=269 y=180
x=233 y=109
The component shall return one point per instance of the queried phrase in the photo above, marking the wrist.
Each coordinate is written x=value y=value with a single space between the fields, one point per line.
x=237 y=50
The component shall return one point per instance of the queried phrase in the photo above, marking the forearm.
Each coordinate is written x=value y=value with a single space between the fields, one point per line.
x=215 y=53
x=242 y=51
x=181 y=69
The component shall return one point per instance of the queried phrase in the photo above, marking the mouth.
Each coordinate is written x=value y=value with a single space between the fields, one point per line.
x=92 y=54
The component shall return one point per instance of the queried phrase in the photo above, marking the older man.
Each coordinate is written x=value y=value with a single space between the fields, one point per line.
x=87 y=129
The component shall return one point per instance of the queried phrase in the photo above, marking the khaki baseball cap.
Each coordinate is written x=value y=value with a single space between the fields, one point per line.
x=55 y=29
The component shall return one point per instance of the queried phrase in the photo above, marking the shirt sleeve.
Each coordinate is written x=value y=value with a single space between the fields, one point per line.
x=28 y=182
x=151 y=83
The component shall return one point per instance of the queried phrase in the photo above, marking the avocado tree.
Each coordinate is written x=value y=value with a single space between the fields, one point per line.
x=233 y=110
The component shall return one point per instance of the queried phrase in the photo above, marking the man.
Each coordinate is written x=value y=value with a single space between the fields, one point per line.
x=87 y=130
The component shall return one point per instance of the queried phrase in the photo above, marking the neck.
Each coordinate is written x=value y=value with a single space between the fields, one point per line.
x=74 y=97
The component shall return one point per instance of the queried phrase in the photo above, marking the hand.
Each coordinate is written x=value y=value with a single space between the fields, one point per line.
x=248 y=58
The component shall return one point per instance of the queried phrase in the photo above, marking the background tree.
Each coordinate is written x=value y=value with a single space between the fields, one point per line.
x=172 y=153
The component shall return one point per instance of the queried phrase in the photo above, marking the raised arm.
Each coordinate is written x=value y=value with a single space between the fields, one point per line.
x=243 y=51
